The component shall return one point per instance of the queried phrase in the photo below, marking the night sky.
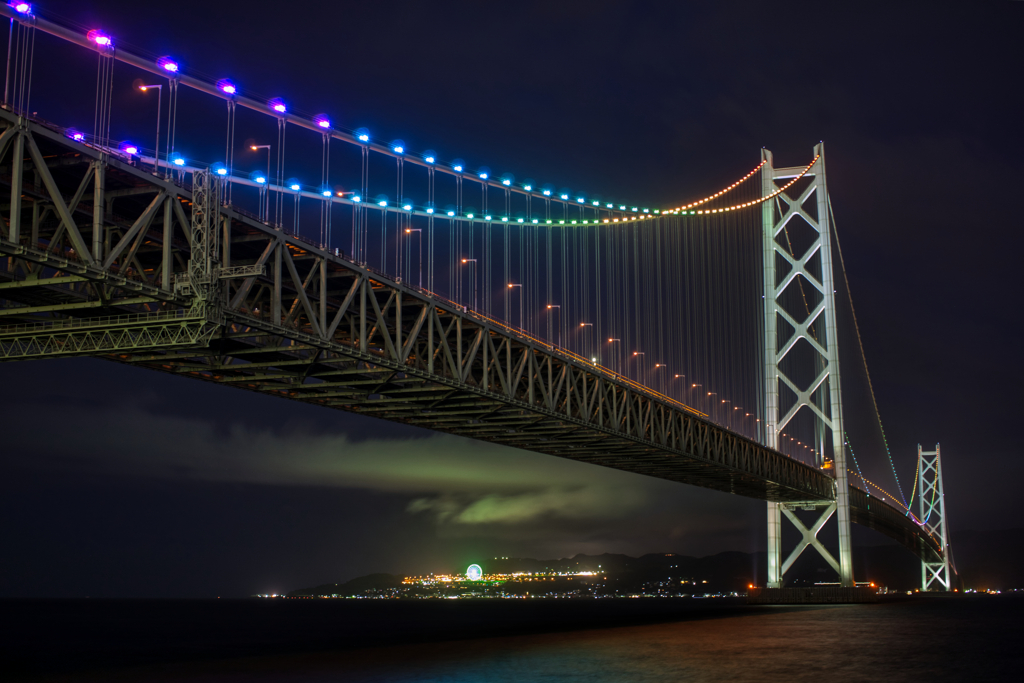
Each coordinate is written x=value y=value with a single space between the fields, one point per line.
x=124 y=482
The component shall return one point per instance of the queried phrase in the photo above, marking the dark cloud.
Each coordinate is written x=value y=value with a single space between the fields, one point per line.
x=481 y=488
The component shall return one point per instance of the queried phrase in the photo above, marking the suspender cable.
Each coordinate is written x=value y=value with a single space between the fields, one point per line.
x=229 y=151
x=325 y=210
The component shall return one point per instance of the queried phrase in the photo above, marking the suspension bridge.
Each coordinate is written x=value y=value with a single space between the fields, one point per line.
x=697 y=342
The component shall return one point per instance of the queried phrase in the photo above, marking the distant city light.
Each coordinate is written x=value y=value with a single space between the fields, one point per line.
x=474 y=572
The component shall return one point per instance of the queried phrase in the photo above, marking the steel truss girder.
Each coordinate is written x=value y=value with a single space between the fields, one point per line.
x=294 y=315
x=109 y=335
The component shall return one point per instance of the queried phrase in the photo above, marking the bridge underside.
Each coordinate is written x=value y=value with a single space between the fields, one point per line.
x=95 y=257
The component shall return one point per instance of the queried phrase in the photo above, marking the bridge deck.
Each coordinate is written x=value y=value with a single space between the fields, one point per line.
x=100 y=268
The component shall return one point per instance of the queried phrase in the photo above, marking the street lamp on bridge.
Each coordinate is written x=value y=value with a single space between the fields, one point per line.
x=159 y=98
x=618 y=367
x=419 y=267
x=658 y=366
x=589 y=347
x=473 y=274
x=512 y=286
x=551 y=308
x=679 y=377
x=264 y=213
x=639 y=366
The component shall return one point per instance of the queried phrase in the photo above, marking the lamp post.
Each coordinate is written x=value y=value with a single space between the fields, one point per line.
x=551 y=308
x=658 y=366
x=264 y=214
x=159 y=106
x=419 y=267
x=679 y=377
x=473 y=273
x=639 y=367
x=589 y=347
x=511 y=286
x=618 y=366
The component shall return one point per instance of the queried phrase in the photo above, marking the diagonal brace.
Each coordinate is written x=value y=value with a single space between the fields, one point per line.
x=810 y=537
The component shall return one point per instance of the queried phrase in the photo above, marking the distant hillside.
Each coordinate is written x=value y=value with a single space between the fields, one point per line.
x=724 y=572
x=985 y=559
x=353 y=587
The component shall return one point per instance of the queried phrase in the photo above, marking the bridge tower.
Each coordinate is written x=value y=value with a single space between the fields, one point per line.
x=932 y=511
x=801 y=353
